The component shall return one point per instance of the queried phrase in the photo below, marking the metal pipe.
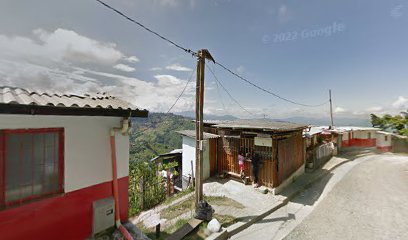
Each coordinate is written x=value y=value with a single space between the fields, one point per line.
x=123 y=130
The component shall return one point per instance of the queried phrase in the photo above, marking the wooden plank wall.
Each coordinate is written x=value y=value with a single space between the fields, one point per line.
x=213 y=156
x=290 y=156
x=228 y=149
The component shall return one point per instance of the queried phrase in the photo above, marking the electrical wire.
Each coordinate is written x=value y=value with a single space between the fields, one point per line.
x=148 y=29
x=215 y=77
x=182 y=92
x=196 y=55
x=218 y=92
x=267 y=91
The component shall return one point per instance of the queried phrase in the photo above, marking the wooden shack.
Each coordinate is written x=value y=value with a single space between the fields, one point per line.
x=279 y=144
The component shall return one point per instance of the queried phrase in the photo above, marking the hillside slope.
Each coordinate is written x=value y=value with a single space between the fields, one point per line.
x=156 y=135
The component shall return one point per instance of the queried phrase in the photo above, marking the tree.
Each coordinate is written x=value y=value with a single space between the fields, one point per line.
x=397 y=123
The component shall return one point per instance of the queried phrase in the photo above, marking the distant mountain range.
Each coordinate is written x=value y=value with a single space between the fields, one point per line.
x=305 y=120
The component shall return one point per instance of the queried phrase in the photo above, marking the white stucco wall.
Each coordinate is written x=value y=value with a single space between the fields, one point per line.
x=345 y=136
x=189 y=155
x=87 y=156
x=363 y=134
x=381 y=142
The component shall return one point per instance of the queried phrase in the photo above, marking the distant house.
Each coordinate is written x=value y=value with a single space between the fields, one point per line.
x=189 y=156
x=384 y=141
x=357 y=136
x=321 y=145
x=56 y=162
x=174 y=156
x=279 y=144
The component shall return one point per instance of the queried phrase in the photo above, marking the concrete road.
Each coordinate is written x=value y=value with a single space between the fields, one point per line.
x=363 y=199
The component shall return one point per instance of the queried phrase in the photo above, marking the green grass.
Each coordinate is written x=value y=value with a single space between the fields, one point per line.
x=198 y=234
x=177 y=209
x=151 y=232
x=178 y=196
x=225 y=220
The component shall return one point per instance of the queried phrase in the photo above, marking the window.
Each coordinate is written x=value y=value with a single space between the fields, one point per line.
x=386 y=138
x=31 y=164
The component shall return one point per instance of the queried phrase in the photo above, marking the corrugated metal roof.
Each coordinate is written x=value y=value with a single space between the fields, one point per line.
x=192 y=134
x=263 y=124
x=351 y=128
x=20 y=96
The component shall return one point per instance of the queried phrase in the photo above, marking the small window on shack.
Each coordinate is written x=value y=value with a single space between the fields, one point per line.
x=386 y=138
x=32 y=163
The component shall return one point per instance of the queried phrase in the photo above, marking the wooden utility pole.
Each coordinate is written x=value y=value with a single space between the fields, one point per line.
x=331 y=110
x=202 y=55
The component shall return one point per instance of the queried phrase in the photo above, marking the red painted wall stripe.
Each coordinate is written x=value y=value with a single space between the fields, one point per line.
x=357 y=142
x=385 y=148
x=68 y=216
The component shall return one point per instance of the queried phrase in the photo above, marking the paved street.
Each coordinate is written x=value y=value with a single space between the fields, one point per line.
x=363 y=199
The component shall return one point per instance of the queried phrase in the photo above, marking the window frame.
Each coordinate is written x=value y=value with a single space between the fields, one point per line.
x=3 y=167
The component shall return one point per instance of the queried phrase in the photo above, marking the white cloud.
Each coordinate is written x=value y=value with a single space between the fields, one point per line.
x=68 y=45
x=124 y=67
x=171 y=3
x=132 y=59
x=178 y=67
x=339 y=110
x=155 y=96
x=375 y=109
x=400 y=103
x=241 y=69
x=54 y=61
x=283 y=14
x=59 y=46
x=155 y=69
x=36 y=77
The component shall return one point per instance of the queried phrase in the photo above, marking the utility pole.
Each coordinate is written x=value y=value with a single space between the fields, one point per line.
x=202 y=55
x=331 y=110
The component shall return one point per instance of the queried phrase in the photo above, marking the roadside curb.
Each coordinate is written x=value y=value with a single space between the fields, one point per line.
x=240 y=226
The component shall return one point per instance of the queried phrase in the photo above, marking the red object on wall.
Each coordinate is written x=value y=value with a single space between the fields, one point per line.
x=358 y=142
x=67 y=216
x=385 y=149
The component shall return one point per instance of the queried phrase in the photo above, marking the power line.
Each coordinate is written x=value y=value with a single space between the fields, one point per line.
x=195 y=54
x=267 y=91
x=218 y=92
x=182 y=92
x=147 y=29
x=215 y=77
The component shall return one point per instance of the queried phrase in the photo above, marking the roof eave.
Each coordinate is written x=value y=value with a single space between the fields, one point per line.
x=70 y=111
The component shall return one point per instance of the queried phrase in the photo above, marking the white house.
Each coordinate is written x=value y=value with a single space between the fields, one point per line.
x=357 y=136
x=384 y=141
x=189 y=155
x=56 y=161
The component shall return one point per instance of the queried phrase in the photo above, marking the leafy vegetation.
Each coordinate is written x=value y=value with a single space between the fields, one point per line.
x=151 y=137
x=146 y=187
x=156 y=135
x=397 y=123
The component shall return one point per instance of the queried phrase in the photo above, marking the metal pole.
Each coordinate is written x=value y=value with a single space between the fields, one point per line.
x=331 y=109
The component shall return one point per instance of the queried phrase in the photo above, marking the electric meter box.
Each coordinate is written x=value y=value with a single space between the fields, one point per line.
x=103 y=214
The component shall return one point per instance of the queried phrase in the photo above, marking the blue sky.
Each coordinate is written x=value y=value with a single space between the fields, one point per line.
x=297 y=49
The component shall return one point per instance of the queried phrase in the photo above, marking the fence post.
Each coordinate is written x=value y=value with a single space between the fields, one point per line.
x=158 y=231
x=142 y=198
x=168 y=182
